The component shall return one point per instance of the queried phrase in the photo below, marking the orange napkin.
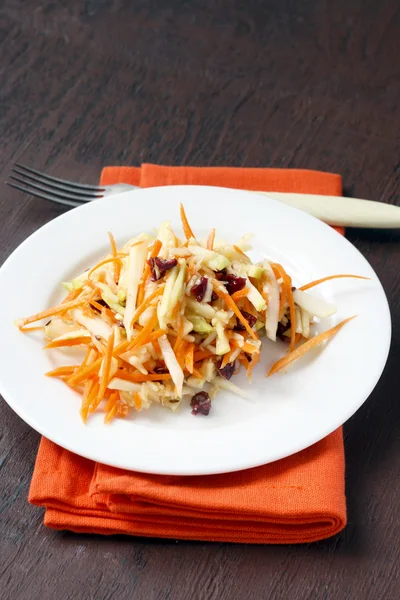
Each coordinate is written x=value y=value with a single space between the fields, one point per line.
x=295 y=500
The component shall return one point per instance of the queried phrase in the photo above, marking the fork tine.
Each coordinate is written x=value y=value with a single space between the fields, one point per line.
x=94 y=188
x=21 y=188
x=85 y=193
x=56 y=193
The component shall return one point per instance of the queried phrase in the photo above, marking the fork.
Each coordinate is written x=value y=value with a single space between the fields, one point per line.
x=335 y=210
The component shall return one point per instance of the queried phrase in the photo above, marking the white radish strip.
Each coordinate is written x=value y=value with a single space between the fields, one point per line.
x=272 y=290
x=136 y=261
x=125 y=386
x=313 y=305
x=231 y=387
x=95 y=325
x=305 y=321
x=299 y=326
x=171 y=364
x=209 y=339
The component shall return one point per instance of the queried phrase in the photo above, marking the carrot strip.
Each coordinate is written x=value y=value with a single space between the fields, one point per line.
x=105 y=375
x=243 y=361
x=83 y=374
x=226 y=359
x=283 y=295
x=306 y=347
x=80 y=341
x=111 y=407
x=155 y=249
x=303 y=288
x=118 y=264
x=185 y=224
x=137 y=400
x=87 y=398
x=201 y=354
x=104 y=310
x=102 y=263
x=50 y=312
x=197 y=373
x=146 y=303
x=232 y=305
x=147 y=329
x=189 y=357
x=210 y=240
x=62 y=371
x=240 y=294
x=287 y=281
x=72 y=295
x=139 y=377
x=246 y=347
x=38 y=328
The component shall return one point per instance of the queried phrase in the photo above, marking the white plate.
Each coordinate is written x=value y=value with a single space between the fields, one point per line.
x=287 y=412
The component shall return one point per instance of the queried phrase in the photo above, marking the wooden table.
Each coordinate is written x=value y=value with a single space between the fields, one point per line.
x=268 y=83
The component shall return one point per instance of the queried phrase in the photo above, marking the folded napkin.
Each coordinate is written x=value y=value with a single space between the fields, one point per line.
x=295 y=500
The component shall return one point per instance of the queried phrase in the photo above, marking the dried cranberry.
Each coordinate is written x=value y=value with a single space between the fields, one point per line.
x=251 y=319
x=214 y=297
x=159 y=266
x=227 y=371
x=220 y=274
x=199 y=290
x=234 y=284
x=161 y=370
x=200 y=403
x=281 y=330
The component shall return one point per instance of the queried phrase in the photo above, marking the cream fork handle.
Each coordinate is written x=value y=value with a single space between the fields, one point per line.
x=345 y=212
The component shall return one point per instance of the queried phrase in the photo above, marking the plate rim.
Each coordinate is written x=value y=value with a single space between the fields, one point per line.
x=170 y=471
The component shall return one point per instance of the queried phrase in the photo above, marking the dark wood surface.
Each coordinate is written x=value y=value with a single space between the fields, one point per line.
x=270 y=83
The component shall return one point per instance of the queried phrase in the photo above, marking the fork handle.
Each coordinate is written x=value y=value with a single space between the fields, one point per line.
x=344 y=212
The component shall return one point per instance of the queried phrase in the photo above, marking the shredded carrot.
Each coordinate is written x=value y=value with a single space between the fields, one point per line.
x=232 y=305
x=80 y=341
x=243 y=361
x=62 y=371
x=87 y=398
x=147 y=329
x=189 y=357
x=104 y=310
x=139 y=377
x=240 y=294
x=306 y=347
x=197 y=373
x=181 y=353
x=137 y=400
x=105 y=375
x=210 y=240
x=146 y=303
x=111 y=406
x=72 y=295
x=307 y=286
x=201 y=354
x=245 y=347
x=155 y=249
x=185 y=225
x=50 y=312
x=287 y=282
x=83 y=374
x=118 y=263
x=102 y=263
x=226 y=358
x=156 y=345
x=283 y=294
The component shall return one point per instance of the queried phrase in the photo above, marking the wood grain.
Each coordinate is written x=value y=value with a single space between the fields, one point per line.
x=257 y=83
